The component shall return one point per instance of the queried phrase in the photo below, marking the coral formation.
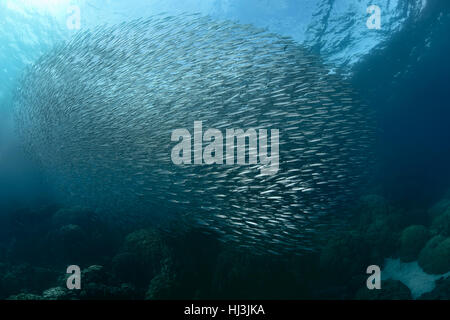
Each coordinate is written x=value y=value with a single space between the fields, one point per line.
x=435 y=256
x=390 y=290
x=185 y=263
x=412 y=240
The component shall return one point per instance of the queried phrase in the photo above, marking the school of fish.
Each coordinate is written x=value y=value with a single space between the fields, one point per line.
x=97 y=113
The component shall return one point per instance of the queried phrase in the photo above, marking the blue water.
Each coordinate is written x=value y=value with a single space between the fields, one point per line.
x=402 y=71
x=402 y=66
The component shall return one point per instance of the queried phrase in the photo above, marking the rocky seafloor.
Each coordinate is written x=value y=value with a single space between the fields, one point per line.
x=119 y=262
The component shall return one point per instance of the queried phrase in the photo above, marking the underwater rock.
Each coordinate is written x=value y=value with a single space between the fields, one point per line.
x=75 y=215
x=194 y=253
x=98 y=112
x=380 y=224
x=441 y=224
x=25 y=296
x=58 y=293
x=439 y=208
x=72 y=235
x=346 y=255
x=238 y=275
x=3 y=267
x=70 y=243
x=440 y=292
x=95 y=274
x=382 y=238
x=140 y=256
x=165 y=284
x=127 y=267
x=410 y=274
x=99 y=284
x=412 y=240
x=434 y=258
x=77 y=236
x=24 y=276
x=390 y=290
x=99 y=291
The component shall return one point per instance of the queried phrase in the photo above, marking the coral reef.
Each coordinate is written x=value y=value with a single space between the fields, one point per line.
x=412 y=240
x=140 y=256
x=390 y=290
x=434 y=258
x=164 y=284
x=440 y=207
x=441 y=224
x=440 y=292
x=184 y=263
